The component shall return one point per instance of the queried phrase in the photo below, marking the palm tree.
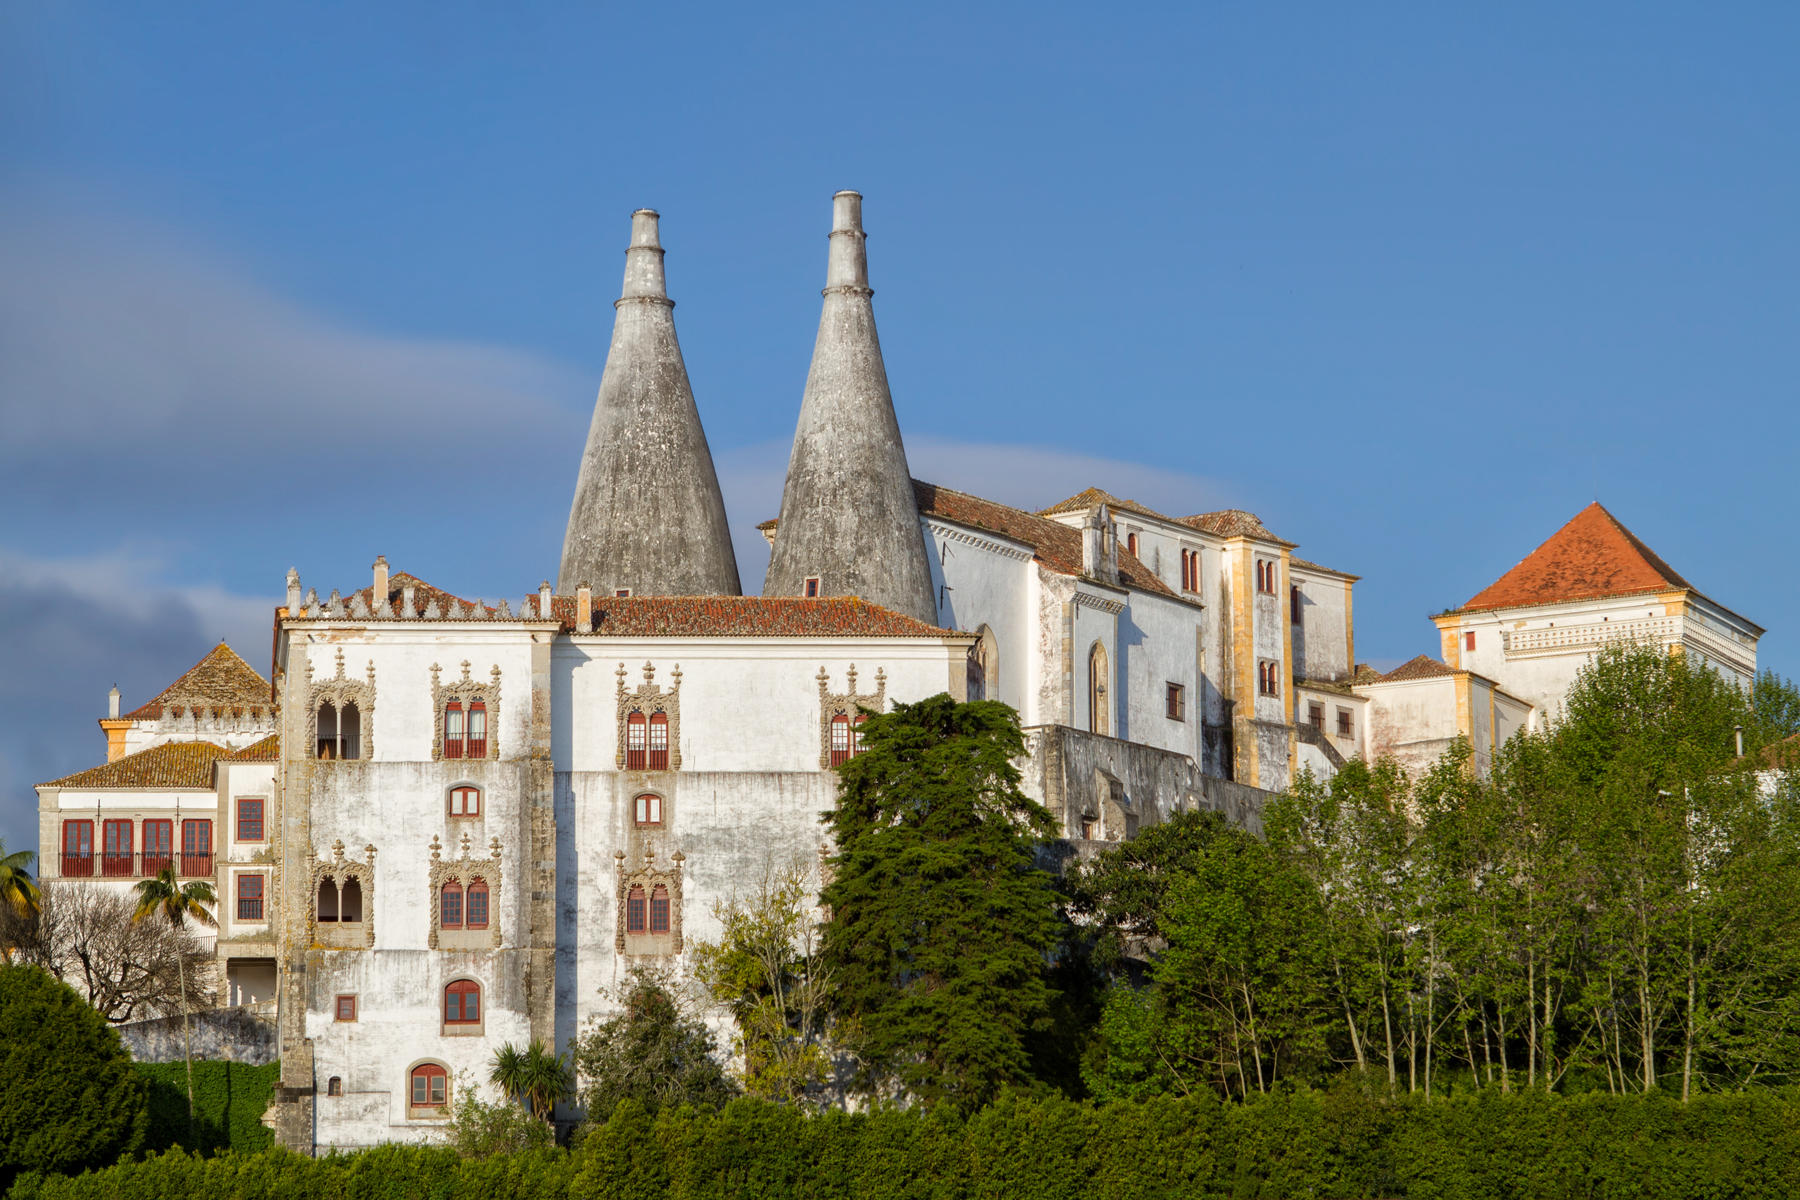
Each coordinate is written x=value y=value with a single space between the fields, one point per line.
x=17 y=889
x=177 y=902
x=537 y=1077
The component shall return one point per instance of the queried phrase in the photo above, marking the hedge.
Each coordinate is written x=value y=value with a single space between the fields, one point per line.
x=1303 y=1144
x=229 y=1101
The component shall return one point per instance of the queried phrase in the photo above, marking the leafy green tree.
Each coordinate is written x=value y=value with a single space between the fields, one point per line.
x=17 y=889
x=1122 y=893
x=537 y=1077
x=767 y=971
x=1774 y=711
x=941 y=921
x=655 y=1051
x=69 y=1098
x=177 y=903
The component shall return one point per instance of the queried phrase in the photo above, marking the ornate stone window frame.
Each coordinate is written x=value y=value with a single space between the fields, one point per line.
x=650 y=698
x=648 y=876
x=341 y=690
x=463 y=871
x=468 y=691
x=846 y=704
x=341 y=935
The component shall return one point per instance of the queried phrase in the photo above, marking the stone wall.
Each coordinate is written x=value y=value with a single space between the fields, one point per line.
x=243 y=1034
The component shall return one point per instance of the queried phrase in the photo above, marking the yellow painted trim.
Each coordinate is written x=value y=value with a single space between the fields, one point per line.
x=1284 y=607
x=115 y=736
x=1349 y=634
x=1465 y=719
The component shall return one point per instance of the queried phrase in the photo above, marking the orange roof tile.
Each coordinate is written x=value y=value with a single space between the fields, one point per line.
x=1058 y=546
x=267 y=750
x=1590 y=557
x=219 y=681
x=1084 y=500
x=170 y=765
x=1232 y=522
x=743 y=616
x=1422 y=667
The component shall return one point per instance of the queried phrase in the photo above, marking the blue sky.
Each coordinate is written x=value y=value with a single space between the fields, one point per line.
x=1414 y=283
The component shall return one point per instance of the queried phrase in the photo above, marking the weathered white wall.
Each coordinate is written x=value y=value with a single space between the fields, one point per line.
x=1322 y=635
x=981 y=579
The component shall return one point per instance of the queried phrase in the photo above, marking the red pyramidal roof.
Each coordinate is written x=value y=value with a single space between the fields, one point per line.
x=1590 y=557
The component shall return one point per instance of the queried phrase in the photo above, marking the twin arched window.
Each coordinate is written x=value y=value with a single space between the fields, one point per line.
x=463 y=908
x=647 y=912
x=462 y=1003
x=340 y=730
x=465 y=729
x=846 y=737
x=335 y=903
x=647 y=742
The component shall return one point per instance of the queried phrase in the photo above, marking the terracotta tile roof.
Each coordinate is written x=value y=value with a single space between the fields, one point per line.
x=1296 y=561
x=220 y=682
x=1422 y=667
x=170 y=765
x=267 y=750
x=743 y=616
x=1364 y=673
x=1590 y=557
x=1232 y=522
x=1084 y=500
x=1058 y=546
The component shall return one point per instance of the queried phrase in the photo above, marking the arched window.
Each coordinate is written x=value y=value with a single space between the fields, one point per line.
x=659 y=910
x=477 y=730
x=328 y=731
x=450 y=906
x=634 y=909
x=350 y=909
x=334 y=1086
x=648 y=809
x=840 y=739
x=430 y=1086
x=453 y=729
x=465 y=801
x=659 y=741
x=462 y=1003
x=1097 y=699
x=350 y=731
x=475 y=907
x=635 y=737
x=327 y=909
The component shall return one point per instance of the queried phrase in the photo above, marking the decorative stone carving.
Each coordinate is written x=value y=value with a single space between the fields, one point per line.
x=650 y=699
x=465 y=870
x=339 y=871
x=849 y=704
x=339 y=691
x=467 y=691
x=648 y=876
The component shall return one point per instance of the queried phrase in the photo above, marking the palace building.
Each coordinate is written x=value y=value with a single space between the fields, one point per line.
x=443 y=823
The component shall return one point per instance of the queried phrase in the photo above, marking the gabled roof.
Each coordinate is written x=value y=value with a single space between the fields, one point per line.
x=1591 y=557
x=267 y=750
x=170 y=765
x=1232 y=522
x=1422 y=667
x=1364 y=673
x=1083 y=500
x=1058 y=546
x=219 y=682
x=743 y=616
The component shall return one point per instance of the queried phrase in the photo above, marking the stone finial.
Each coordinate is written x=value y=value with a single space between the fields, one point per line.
x=312 y=602
x=647 y=512
x=503 y=612
x=293 y=592
x=1100 y=545
x=584 y=608
x=454 y=612
x=112 y=703
x=408 y=598
x=544 y=600
x=437 y=849
x=847 y=447
x=358 y=607
x=379 y=594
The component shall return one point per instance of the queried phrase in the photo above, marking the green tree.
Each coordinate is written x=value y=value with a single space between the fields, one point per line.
x=478 y=1129
x=654 y=1051
x=537 y=1077
x=19 y=900
x=941 y=921
x=1122 y=893
x=69 y=1098
x=177 y=903
x=766 y=970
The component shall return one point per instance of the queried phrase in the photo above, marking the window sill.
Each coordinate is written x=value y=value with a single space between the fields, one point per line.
x=478 y=1029
x=467 y=939
x=434 y=1112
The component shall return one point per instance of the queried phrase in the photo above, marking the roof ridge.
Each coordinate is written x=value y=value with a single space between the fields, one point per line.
x=1592 y=555
x=185 y=764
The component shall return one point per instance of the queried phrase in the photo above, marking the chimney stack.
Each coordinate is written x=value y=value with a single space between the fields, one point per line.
x=544 y=600
x=584 y=608
x=293 y=592
x=1099 y=546
x=381 y=585
x=112 y=703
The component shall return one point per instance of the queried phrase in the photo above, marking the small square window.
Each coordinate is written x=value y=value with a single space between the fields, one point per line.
x=621 y=593
x=648 y=809
x=334 y=1086
x=812 y=587
x=1345 y=728
x=250 y=897
x=1469 y=640
x=1177 y=702
x=1315 y=715
x=346 y=1008
x=249 y=819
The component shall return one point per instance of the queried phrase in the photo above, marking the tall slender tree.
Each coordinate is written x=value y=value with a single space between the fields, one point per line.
x=178 y=903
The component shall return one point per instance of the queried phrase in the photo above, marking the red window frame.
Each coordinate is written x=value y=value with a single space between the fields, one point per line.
x=197 y=846
x=78 y=848
x=659 y=909
x=250 y=819
x=1469 y=640
x=478 y=730
x=1294 y=605
x=636 y=737
x=1177 y=702
x=1131 y=543
x=462 y=1003
x=475 y=904
x=659 y=741
x=464 y=801
x=1267 y=683
x=812 y=587
x=647 y=809
x=635 y=902
x=450 y=906
x=840 y=739
x=430 y=1086
x=119 y=845
x=1265 y=576
x=250 y=895
x=346 y=1008
x=453 y=729
x=159 y=844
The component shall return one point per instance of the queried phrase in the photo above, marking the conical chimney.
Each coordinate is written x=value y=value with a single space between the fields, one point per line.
x=849 y=520
x=647 y=514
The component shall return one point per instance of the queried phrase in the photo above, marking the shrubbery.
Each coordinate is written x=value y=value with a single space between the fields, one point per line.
x=1340 y=1143
x=229 y=1102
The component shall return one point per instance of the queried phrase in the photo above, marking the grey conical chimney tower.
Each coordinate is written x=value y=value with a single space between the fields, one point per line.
x=848 y=514
x=647 y=514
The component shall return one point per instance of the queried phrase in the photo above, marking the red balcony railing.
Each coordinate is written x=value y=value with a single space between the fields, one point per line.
x=118 y=866
x=197 y=864
x=156 y=864
x=77 y=864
